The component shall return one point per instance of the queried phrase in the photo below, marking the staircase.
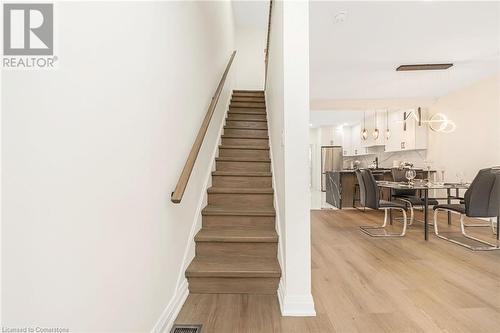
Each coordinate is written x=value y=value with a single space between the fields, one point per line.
x=236 y=248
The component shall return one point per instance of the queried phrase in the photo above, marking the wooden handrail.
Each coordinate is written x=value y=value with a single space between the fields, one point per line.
x=177 y=194
x=267 y=42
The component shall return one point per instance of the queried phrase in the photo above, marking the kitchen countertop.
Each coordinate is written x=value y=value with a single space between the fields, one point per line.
x=380 y=170
x=373 y=170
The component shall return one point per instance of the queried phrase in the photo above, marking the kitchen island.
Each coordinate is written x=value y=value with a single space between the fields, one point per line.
x=342 y=190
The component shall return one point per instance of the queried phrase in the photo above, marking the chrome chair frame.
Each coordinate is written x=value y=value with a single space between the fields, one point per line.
x=411 y=209
x=370 y=197
x=398 y=175
x=483 y=225
x=489 y=247
x=366 y=229
x=481 y=200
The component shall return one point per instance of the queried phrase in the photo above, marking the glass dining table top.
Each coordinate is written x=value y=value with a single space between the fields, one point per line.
x=422 y=185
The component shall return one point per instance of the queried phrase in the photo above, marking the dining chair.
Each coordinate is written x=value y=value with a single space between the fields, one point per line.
x=408 y=196
x=370 y=198
x=481 y=200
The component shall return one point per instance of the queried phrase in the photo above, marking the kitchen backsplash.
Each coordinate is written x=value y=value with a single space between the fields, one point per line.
x=385 y=160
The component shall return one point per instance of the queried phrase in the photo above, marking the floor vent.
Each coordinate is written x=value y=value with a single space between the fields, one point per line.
x=186 y=329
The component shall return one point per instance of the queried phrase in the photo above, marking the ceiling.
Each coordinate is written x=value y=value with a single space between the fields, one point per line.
x=356 y=59
x=335 y=118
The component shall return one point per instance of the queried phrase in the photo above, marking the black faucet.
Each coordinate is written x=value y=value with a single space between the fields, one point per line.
x=376 y=162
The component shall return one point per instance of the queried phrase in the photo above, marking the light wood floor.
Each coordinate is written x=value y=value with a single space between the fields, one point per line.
x=364 y=284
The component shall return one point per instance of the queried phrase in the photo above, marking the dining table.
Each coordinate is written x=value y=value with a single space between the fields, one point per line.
x=424 y=186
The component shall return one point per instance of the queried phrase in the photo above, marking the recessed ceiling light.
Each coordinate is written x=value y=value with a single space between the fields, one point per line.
x=340 y=16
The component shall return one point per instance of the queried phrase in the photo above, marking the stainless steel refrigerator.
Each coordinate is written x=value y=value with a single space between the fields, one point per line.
x=331 y=160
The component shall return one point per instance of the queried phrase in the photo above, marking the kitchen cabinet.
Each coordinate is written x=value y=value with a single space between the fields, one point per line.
x=331 y=136
x=380 y=121
x=356 y=142
x=374 y=120
x=414 y=137
x=346 y=141
x=396 y=141
x=410 y=138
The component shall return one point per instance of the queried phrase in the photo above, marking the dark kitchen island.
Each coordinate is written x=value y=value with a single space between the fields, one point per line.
x=342 y=190
x=341 y=185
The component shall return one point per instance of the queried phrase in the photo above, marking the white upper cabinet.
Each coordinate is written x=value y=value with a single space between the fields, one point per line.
x=346 y=141
x=379 y=122
x=409 y=137
x=374 y=120
x=422 y=132
x=406 y=134
x=356 y=142
x=396 y=132
x=331 y=136
x=369 y=127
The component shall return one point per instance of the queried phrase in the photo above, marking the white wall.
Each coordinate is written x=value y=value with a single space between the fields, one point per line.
x=91 y=153
x=250 y=64
x=475 y=144
x=251 y=20
x=287 y=95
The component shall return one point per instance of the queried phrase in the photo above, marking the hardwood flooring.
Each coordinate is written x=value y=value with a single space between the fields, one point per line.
x=364 y=284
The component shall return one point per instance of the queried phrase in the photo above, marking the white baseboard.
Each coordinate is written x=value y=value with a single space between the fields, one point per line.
x=295 y=305
x=167 y=318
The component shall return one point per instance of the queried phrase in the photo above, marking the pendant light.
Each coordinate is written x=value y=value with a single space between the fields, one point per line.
x=387 y=131
x=375 y=131
x=364 y=132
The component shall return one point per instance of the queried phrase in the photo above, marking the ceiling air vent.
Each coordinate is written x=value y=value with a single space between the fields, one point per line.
x=423 y=67
x=186 y=329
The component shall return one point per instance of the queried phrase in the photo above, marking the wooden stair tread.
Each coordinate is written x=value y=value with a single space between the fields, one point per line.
x=244 y=147
x=255 y=112
x=248 y=94
x=235 y=235
x=247 y=91
x=240 y=108
x=242 y=173
x=233 y=266
x=250 y=99
x=245 y=128
x=228 y=211
x=250 y=102
x=242 y=159
x=252 y=120
x=250 y=107
x=236 y=190
x=249 y=120
x=232 y=136
x=261 y=96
